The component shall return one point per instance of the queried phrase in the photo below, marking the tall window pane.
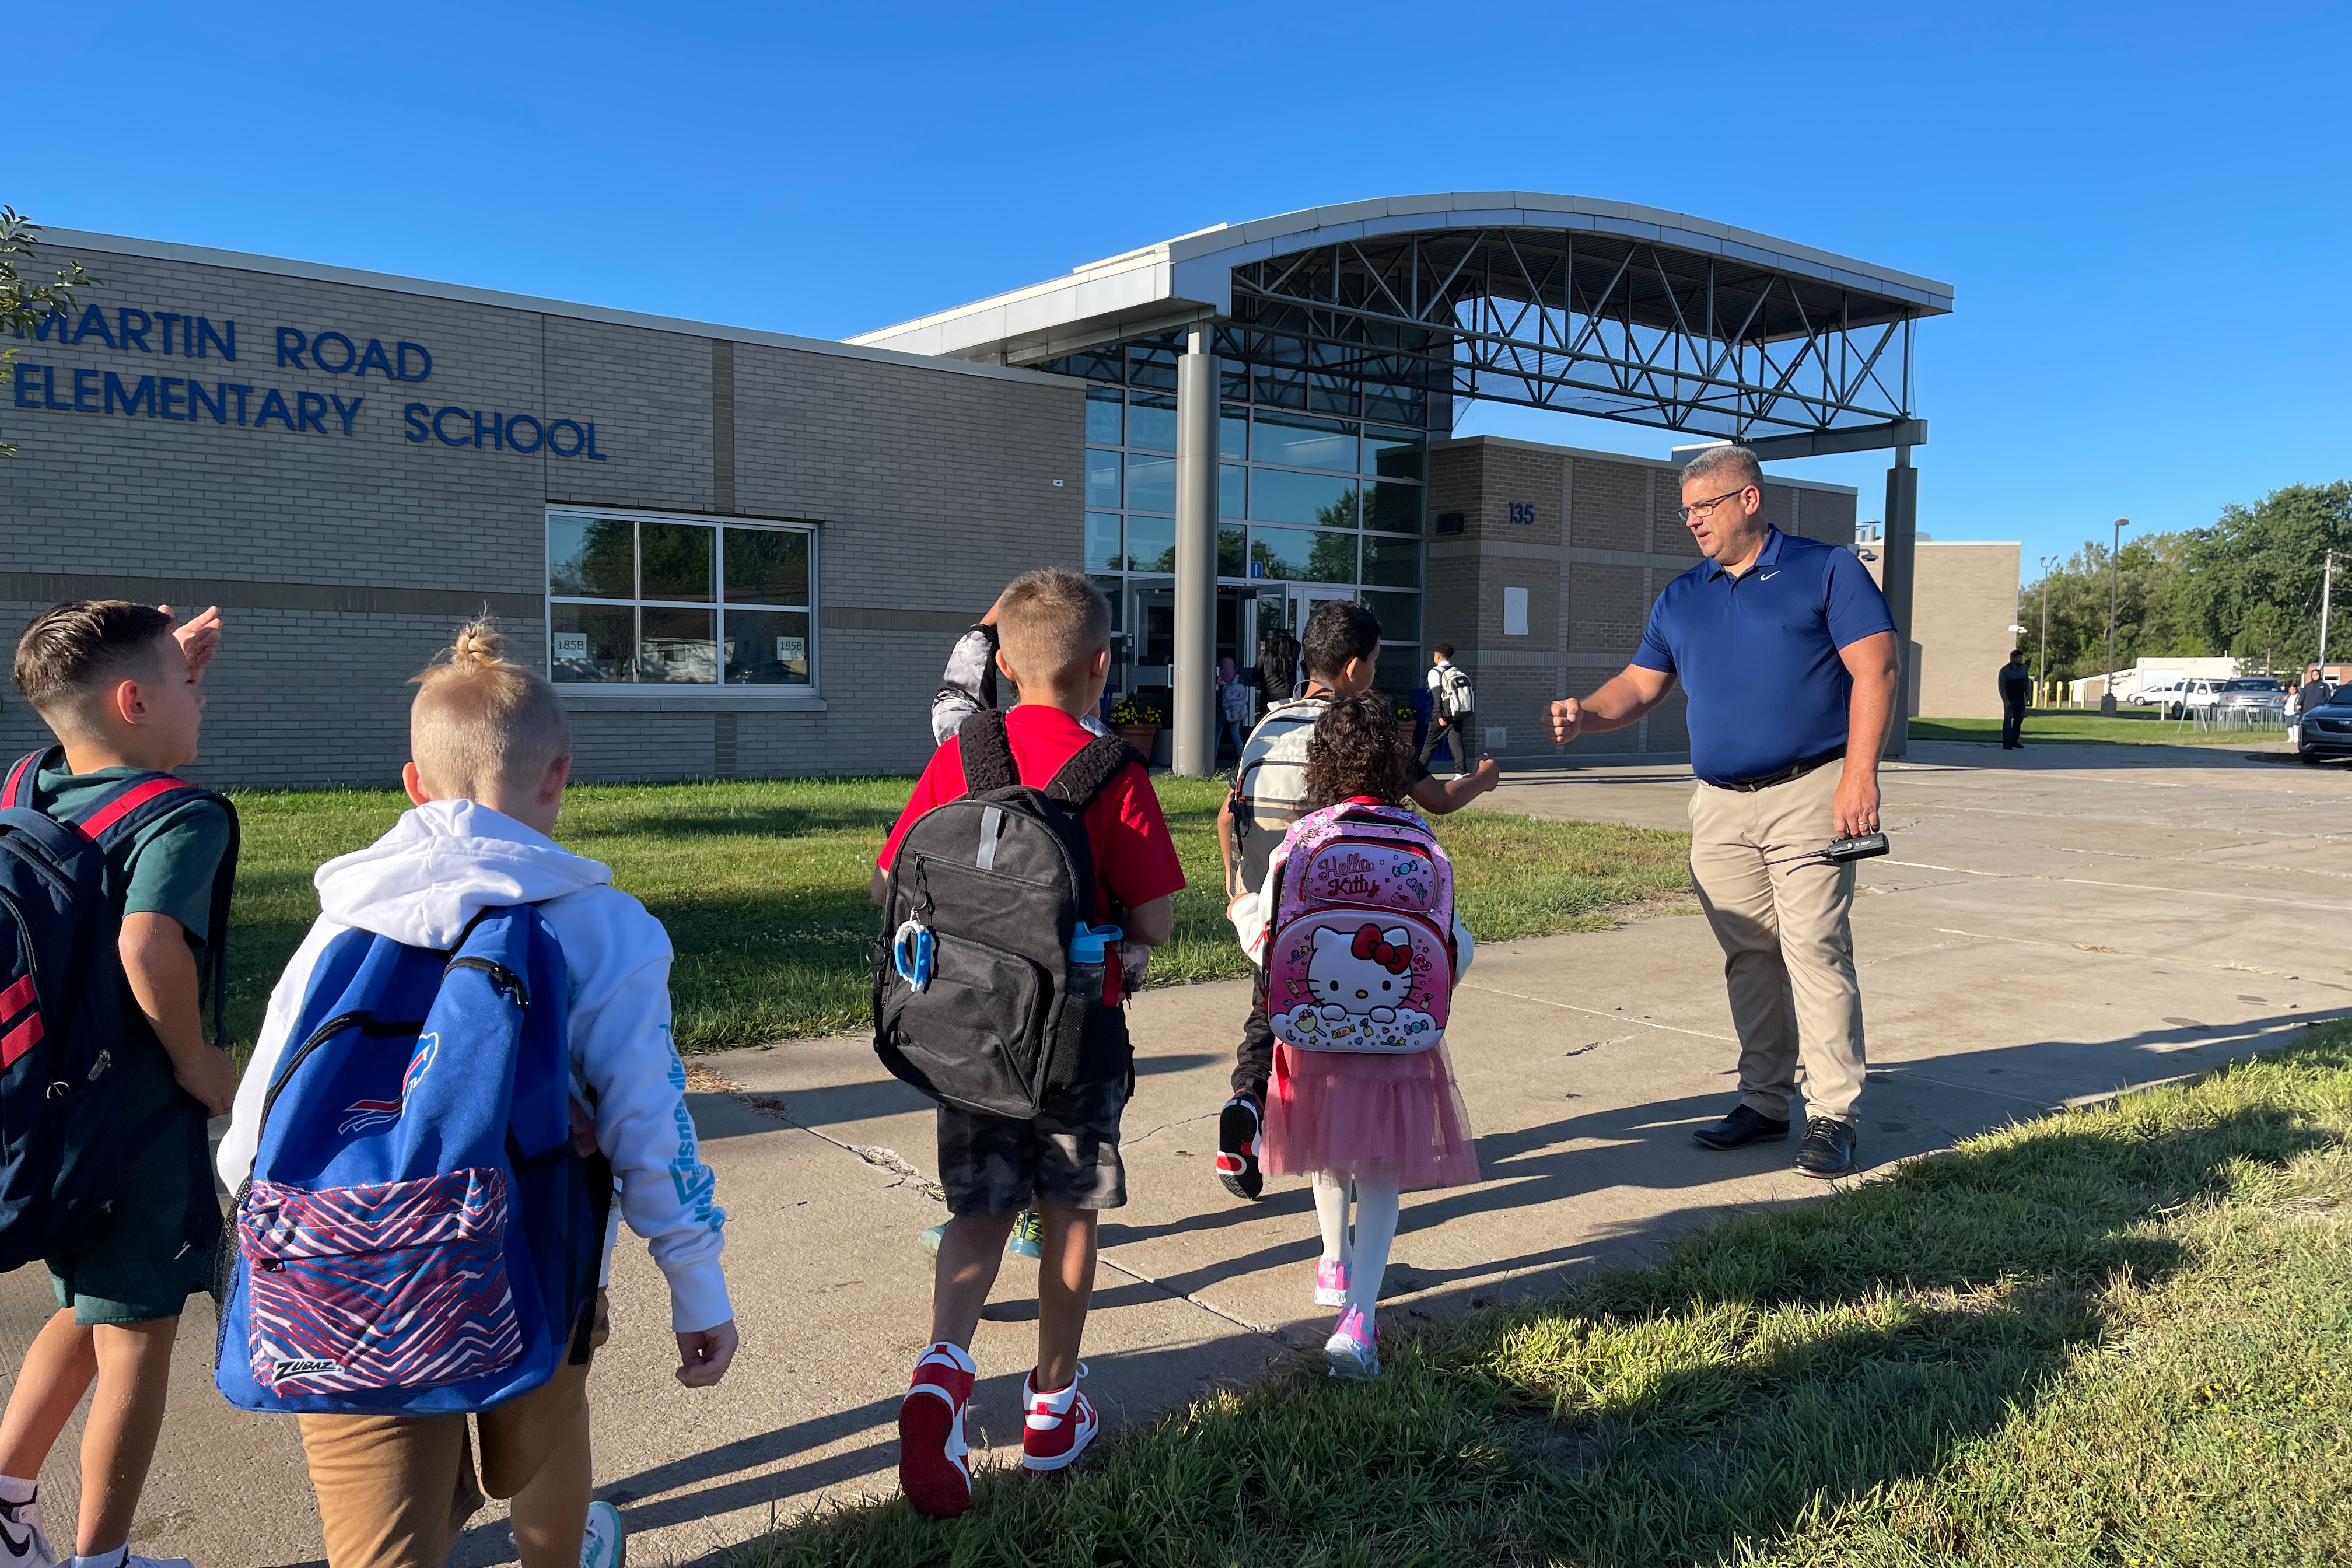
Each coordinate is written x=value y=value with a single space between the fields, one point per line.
x=1276 y=495
x=1400 y=618
x=677 y=647
x=1104 y=425
x=1232 y=432
x=1393 y=453
x=1233 y=490
x=767 y=566
x=681 y=560
x=592 y=558
x=592 y=642
x=1302 y=441
x=1393 y=561
x=766 y=648
x=1304 y=556
x=1394 y=508
x=1151 y=422
x=1102 y=541
x=1150 y=483
x=1102 y=478
x=1232 y=552
x=1151 y=544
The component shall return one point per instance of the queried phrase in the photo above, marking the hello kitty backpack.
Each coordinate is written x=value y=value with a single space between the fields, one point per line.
x=1360 y=953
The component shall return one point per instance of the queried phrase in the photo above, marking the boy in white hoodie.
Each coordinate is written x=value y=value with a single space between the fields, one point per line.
x=491 y=751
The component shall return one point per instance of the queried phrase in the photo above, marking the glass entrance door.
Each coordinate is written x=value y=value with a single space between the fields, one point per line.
x=1287 y=606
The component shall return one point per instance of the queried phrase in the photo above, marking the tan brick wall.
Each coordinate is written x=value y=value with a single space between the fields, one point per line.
x=931 y=485
x=1622 y=544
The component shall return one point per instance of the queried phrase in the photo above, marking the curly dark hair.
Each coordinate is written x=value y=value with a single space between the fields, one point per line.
x=1356 y=749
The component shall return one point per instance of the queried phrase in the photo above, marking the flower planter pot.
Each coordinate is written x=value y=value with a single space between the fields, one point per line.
x=1139 y=736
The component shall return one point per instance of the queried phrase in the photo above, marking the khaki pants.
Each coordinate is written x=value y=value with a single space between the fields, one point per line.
x=394 y=1490
x=1787 y=940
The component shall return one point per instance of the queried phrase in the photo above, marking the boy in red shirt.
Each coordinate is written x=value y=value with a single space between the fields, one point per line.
x=1053 y=632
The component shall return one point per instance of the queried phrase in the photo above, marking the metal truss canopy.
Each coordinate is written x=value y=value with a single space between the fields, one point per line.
x=1603 y=308
x=1594 y=324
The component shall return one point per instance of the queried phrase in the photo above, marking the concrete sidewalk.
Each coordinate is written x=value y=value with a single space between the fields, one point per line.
x=2053 y=924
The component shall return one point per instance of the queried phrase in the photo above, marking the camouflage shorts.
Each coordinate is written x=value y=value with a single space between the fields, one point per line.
x=1067 y=1156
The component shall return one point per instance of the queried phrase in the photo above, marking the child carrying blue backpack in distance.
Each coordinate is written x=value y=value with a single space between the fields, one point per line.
x=464 y=1070
x=1356 y=933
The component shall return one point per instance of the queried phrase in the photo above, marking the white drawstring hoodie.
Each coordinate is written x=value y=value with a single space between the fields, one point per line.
x=419 y=884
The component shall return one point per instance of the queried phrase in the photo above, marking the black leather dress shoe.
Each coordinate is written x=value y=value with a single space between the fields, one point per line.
x=1739 y=1128
x=1829 y=1149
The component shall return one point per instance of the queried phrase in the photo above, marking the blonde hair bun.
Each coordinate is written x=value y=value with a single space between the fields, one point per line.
x=481 y=723
x=476 y=648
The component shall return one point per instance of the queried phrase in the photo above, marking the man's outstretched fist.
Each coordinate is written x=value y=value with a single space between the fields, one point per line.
x=1567 y=720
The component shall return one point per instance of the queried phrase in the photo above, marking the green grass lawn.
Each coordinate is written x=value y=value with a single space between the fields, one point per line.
x=2119 y=1336
x=762 y=887
x=2145 y=729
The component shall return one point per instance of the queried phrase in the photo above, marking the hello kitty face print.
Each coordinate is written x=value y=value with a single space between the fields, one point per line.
x=1360 y=956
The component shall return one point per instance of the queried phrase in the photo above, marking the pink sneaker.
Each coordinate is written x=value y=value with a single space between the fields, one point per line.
x=1059 y=1425
x=934 y=1465
x=1330 y=1283
x=1349 y=1352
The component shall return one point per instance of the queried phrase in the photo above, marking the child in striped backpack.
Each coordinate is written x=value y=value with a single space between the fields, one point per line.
x=400 y=1303
x=1356 y=933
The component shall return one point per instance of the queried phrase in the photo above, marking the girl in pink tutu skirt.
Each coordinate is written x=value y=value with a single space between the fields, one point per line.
x=1356 y=931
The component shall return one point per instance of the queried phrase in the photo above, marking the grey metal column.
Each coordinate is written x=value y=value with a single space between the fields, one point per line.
x=1195 y=733
x=1898 y=555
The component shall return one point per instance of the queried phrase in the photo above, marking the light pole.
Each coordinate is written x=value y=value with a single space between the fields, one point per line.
x=2107 y=695
x=2326 y=580
x=2042 y=670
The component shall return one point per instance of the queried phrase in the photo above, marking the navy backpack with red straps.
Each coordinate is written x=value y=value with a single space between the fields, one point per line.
x=62 y=1014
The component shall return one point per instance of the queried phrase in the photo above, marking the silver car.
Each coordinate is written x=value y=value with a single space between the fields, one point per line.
x=2250 y=698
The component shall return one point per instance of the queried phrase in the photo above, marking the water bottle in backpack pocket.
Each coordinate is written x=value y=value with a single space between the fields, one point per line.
x=419 y=1233
x=1360 y=953
x=973 y=997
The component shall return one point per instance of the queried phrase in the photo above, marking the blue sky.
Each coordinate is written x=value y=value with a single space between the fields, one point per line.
x=2142 y=209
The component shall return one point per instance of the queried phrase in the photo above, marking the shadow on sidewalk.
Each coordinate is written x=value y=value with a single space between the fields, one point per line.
x=1769 y=1370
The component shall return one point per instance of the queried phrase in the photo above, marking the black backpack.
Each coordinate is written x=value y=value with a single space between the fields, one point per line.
x=63 y=1018
x=983 y=898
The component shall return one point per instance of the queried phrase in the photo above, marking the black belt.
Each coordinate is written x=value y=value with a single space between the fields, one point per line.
x=1750 y=786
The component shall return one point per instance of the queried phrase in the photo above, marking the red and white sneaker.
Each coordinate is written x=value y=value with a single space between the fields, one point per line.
x=934 y=1465
x=1059 y=1425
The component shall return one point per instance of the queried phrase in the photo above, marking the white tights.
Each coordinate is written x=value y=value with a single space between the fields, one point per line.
x=1366 y=1253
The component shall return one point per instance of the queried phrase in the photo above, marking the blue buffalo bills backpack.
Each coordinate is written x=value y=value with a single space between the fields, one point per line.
x=62 y=1016
x=420 y=1234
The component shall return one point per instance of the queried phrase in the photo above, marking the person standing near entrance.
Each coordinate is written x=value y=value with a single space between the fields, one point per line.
x=1786 y=649
x=2016 y=686
x=1451 y=701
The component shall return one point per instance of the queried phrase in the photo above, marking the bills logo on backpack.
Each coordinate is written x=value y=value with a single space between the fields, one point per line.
x=1360 y=953
x=62 y=1011
x=419 y=1233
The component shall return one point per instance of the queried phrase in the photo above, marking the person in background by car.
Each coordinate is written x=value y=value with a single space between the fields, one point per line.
x=2309 y=695
x=2016 y=686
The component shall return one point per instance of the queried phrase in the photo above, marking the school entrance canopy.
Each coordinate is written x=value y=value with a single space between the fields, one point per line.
x=1602 y=309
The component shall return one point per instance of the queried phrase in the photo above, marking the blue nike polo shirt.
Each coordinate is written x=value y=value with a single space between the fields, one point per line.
x=1758 y=654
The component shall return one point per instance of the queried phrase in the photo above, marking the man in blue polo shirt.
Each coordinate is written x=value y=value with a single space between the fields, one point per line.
x=1787 y=650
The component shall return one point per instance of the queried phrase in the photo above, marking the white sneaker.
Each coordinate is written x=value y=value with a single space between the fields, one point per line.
x=606 y=1545
x=22 y=1545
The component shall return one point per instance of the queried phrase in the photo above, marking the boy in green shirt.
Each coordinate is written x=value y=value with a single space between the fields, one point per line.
x=119 y=688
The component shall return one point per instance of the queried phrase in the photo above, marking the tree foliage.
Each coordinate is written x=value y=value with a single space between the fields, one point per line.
x=2247 y=586
x=23 y=301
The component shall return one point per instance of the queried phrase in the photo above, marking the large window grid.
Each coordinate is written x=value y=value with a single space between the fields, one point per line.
x=1322 y=474
x=683 y=603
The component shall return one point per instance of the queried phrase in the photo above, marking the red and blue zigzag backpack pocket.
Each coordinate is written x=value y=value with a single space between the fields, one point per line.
x=395 y=1285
